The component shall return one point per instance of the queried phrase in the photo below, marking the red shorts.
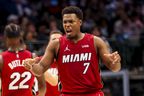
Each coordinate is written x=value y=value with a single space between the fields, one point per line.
x=99 y=93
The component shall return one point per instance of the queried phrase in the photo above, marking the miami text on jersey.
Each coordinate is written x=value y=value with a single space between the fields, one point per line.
x=76 y=57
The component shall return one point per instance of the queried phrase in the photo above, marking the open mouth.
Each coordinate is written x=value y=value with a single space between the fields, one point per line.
x=68 y=31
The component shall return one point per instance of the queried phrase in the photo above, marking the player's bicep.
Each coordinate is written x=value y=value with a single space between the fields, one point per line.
x=48 y=57
x=102 y=48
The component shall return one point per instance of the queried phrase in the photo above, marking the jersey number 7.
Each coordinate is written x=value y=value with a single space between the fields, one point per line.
x=86 y=67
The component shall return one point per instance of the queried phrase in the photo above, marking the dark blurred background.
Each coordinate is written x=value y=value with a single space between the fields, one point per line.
x=119 y=22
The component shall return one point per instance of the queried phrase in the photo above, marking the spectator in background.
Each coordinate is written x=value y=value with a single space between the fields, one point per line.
x=142 y=48
x=51 y=6
x=103 y=27
x=88 y=22
x=13 y=19
x=53 y=24
x=43 y=33
x=96 y=32
x=23 y=23
x=30 y=36
x=122 y=28
x=21 y=7
x=134 y=41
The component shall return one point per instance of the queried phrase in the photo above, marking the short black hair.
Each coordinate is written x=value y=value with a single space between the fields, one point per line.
x=56 y=32
x=73 y=9
x=12 y=31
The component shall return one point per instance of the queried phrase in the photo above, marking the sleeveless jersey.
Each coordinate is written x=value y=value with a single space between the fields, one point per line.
x=16 y=80
x=78 y=66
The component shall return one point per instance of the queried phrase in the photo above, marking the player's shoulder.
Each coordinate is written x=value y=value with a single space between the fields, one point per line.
x=26 y=51
x=93 y=37
x=4 y=53
x=98 y=41
x=97 y=38
x=88 y=35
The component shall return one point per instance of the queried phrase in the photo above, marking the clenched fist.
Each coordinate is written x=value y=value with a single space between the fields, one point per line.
x=28 y=63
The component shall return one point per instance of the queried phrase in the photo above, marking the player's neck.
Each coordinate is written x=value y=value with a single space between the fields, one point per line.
x=78 y=37
x=17 y=48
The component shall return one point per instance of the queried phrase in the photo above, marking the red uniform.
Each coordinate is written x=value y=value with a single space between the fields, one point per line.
x=78 y=67
x=52 y=90
x=16 y=80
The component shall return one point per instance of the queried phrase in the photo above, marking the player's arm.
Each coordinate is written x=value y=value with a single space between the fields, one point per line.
x=111 y=60
x=41 y=86
x=45 y=62
x=49 y=76
x=41 y=80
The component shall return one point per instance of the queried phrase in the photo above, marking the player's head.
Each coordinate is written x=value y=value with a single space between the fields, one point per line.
x=55 y=35
x=12 y=33
x=72 y=20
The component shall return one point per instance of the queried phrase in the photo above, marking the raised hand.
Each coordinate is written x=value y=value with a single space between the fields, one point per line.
x=114 y=57
x=28 y=63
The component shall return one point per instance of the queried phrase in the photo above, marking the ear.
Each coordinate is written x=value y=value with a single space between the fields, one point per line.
x=80 y=22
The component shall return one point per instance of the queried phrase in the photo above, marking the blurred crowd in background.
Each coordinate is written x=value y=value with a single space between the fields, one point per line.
x=119 y=22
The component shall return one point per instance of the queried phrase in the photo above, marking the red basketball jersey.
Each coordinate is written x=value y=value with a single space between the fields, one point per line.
x=16 y=80
x=52 y=90
x=78 y=66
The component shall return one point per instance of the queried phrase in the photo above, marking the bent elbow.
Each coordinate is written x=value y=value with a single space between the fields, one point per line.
x=37 y=74
x=116 y=69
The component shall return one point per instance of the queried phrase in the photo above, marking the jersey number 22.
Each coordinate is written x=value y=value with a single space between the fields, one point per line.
x=16 y=77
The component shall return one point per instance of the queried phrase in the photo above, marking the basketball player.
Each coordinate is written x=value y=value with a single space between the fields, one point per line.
x=77 y=55
x=16 y=80
x=51 y=75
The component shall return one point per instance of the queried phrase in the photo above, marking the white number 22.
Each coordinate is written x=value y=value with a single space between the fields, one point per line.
x=86 y=68
x=16 y=77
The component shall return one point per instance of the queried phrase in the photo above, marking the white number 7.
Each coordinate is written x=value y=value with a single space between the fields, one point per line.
x=86 y=68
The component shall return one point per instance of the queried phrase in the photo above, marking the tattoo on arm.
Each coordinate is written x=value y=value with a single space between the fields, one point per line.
x=44 y=66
